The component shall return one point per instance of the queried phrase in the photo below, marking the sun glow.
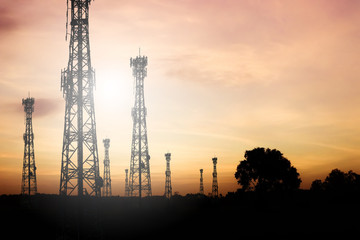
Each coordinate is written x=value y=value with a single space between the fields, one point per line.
x=113 y=88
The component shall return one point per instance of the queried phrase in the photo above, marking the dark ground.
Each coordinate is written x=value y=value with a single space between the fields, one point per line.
x=237 y=216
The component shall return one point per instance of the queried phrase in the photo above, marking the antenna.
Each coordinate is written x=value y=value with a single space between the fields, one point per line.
x=134 y=86
x=107 y=179
x=215 y=187
x=79 y=158
x=201 y=182
x=139 y=173
x=28 y=183
x=168 y=188
x=67 y=19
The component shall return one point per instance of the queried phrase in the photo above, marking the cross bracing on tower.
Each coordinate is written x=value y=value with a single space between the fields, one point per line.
x=107 y=179
x=168 y=187
x=127 y=183
x=79 y=173
x=201 y=182
x=28 y=183
x=215 y=187
x=139 y=175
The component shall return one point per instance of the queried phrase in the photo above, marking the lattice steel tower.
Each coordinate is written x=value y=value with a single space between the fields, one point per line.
x=126 y=182
x=215 y=192
x=168 y=188
x=107 y=180
x=139 y=179
x=80 y=162
x=201 y=182
x=28 y=183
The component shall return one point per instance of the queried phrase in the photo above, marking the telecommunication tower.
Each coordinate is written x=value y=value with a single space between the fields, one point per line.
x=28 y=183
x=215 y=190
x=139 y=179
x=168 y=188
x=107 y=180
x=201 y=182
x=79 y=161
x=126 y=182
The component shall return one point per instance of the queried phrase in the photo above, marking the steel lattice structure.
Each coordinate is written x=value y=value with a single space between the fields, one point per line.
x=80 y=162
x=107 y=179
x=201 y=182
x=127 y=183
x=168 y=188
x=28 y=183
x=215 y=187
x=139 y=177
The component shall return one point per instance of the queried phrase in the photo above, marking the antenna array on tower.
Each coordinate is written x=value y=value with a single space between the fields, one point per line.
x=139 y=179
x=168 y=188
x=127 y=183
x=107 y=179
x=28 y=183
x=215 y=191
x=201 y=182
x=79 y=163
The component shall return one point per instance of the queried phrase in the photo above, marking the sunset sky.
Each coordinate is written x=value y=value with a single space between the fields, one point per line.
x=224 y=76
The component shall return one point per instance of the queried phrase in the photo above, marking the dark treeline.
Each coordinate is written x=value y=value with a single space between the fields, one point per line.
x=301 y=213
x=268 y=204
x=338 y=181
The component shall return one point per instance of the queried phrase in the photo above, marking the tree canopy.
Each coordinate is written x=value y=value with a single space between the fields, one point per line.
x=266 y=170
x=338 y=181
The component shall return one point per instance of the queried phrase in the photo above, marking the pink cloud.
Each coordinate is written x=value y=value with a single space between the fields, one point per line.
x=42 y=107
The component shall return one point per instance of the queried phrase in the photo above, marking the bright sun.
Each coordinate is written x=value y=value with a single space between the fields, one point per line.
x=113 y=88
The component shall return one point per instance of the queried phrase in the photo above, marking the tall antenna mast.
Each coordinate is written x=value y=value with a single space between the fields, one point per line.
x=168 y=188
x=215 y=187
x=67 y=19
x=28 y=183
x=201 y=182
x=107 y=180
x=139 y=179
x=79 y=162
x=126 y=183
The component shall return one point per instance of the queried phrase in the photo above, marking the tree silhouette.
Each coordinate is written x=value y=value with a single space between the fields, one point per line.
x=317 y=186
x=266 y=170
x=338 y=181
